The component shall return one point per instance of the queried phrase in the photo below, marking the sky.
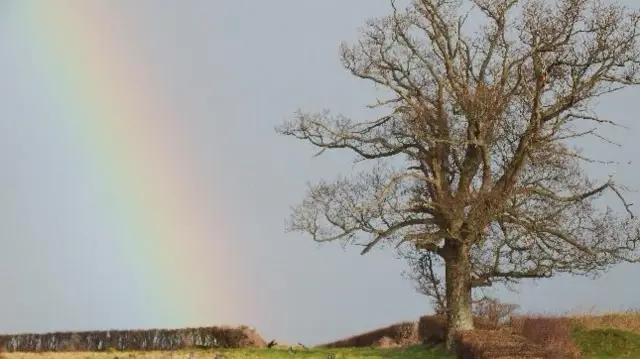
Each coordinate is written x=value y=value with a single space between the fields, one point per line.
x=145 y=180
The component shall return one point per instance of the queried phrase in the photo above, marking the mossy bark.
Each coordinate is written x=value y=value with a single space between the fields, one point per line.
x=458 y=288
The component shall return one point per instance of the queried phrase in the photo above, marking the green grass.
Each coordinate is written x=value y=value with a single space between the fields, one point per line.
x=607 y=343
x=413 y=352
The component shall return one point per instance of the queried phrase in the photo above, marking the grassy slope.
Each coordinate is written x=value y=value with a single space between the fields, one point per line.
x=607 y=343
x=611 y=335
x=409 y=353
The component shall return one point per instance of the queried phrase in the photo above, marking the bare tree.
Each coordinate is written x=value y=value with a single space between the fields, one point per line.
x=474 y=159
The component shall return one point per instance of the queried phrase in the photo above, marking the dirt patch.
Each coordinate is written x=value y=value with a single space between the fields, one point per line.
x=385 y=342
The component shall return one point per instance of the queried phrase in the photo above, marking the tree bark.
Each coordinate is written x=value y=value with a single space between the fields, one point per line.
x=458 y=288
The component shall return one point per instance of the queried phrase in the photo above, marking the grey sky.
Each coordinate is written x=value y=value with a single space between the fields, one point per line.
x=238 y=68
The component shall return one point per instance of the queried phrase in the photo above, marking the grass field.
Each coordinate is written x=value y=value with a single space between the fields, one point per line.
x=355 y=353
x=597 y=343
x=607 y=343
x=596 y=336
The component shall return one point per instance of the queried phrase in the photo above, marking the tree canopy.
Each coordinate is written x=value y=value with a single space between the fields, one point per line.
x=476 y=159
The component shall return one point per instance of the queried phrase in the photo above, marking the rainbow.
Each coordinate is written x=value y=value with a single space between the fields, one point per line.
x=133 y=137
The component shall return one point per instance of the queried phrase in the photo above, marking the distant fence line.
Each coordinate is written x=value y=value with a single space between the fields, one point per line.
x=152 y=339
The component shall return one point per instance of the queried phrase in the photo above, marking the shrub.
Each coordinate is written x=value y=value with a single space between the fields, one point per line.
x=405 y=333
x=168 y=339
x=493 y=312
x=553 y=333
x=432 y=329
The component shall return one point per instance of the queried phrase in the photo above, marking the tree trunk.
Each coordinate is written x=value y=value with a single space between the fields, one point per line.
x=458 y=288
